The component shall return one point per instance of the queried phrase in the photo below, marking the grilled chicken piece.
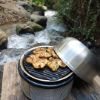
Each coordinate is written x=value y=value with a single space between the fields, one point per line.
x=43 y=54
x=29 y=60
x=40 y=63
x=53 y=65
x=60 y=63
x=33 y=57
x=39 y=49
x=36 y=61
x=52 y=52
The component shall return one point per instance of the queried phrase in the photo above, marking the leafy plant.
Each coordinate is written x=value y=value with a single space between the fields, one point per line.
x=82 y=15
x=39 y=2
x=51 y=4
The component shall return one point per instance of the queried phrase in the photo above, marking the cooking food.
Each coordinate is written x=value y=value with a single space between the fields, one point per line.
x=45 y=57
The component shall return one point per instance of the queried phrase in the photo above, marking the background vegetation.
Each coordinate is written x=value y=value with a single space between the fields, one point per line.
x=49 y=3
x=39 y=1
x=81 y=16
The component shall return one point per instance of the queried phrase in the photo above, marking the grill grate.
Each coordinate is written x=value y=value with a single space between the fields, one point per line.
x=45 y=73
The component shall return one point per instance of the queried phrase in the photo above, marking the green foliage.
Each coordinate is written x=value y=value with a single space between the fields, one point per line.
x=51 y=4
x=83 y=16
x=39 y=2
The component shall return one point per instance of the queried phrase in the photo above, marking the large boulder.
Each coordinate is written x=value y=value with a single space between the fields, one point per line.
x=26 y=6
x=10 y=12
x=3 y=40
x=41 y=20
x=29 y=27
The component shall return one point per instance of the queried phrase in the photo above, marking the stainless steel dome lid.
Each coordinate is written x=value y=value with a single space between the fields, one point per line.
x=78 y=58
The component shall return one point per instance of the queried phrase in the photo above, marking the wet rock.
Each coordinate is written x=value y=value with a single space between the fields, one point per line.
x=39 y=8
x=38 y=13
x=3 y=40
x=11 y=13
x=41 y=20
x=32 y=8
x=29 y=27
x=26 y=6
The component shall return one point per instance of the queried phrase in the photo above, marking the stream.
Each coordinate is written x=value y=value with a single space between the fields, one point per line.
x=50 y=34
x=53 y=33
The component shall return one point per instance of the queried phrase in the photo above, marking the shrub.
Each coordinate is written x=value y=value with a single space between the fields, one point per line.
x=51 y=4
x=39 y=2
x=83 y=16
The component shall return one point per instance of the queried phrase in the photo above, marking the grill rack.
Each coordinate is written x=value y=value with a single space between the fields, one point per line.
x=46 y=73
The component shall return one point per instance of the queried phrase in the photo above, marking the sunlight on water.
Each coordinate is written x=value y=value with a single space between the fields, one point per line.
x=24 y=41
x=42 y=37
x=53 y=22
x=50 y=13
x=50 y=34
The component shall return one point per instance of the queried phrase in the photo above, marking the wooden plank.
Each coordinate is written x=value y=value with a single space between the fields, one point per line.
x=11 y=89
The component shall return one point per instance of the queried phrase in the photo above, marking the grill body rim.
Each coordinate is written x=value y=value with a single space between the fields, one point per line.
x=35 y=78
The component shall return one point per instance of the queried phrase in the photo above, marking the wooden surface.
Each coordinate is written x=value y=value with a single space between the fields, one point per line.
x=11 y=89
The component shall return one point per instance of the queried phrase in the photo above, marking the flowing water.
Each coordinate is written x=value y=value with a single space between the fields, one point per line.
x=17 y=44
x=50 y=34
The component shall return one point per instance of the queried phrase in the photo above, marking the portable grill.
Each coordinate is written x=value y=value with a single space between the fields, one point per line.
x=48 y=84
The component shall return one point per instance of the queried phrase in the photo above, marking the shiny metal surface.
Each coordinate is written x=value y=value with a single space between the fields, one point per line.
x=78 y=58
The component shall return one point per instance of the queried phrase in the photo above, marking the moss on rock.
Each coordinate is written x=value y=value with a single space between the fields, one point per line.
x=29 y=27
